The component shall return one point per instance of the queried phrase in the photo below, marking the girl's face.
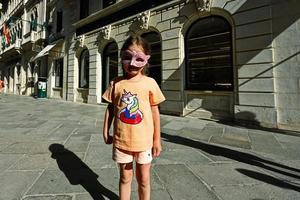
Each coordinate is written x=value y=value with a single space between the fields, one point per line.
x=134 y=60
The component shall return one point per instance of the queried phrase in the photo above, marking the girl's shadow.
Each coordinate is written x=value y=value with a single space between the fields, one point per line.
x=77 y=172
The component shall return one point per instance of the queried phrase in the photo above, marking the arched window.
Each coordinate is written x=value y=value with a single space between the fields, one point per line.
x=109 y=64
x=84 y=63
x=154 y=69
x=208 y=52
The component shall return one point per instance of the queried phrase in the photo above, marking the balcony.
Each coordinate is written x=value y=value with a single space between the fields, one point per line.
x=18 y=44
x=34 y=36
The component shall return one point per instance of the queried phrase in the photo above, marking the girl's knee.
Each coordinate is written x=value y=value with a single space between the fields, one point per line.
x=126 y=178
x=143 y=181
x=126 y=173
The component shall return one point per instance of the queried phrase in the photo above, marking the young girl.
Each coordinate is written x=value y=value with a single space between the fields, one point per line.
x=133 y=105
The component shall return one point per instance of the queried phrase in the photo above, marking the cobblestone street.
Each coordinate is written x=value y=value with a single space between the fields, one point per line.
x=52 y=149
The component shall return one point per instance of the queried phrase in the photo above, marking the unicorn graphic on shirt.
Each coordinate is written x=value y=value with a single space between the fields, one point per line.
x=131 y=113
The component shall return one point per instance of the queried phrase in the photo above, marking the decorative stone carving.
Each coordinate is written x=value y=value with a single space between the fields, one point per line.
x=203 y=5
x=79 y=42
x=143 y=19
x=105 y=32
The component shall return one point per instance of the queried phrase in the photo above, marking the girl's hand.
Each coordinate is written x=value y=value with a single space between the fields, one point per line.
x=156 y=149
x=108 y=139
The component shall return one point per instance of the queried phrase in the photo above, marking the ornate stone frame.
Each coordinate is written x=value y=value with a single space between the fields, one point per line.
x=203 y=5
x=104 y=32
x=144 y=19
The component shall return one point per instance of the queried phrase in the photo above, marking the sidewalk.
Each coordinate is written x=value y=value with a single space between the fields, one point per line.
x=53 y=150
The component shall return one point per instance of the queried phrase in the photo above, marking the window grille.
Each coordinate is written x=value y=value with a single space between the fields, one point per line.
x=84 y=63
x=209 y=55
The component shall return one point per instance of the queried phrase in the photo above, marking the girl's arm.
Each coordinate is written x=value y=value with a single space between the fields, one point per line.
x=108 y=118
x=156 y=137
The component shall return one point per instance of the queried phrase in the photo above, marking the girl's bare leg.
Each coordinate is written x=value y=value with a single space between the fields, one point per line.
x=126 y=173
x=143 y=179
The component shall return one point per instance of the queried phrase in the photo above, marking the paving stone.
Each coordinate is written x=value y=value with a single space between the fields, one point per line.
x=49 y=197
x=32 y=162
x=97 y=139
x=223 y=173
x=256 y=192
x=196 y=134
x=167 y=145
x=196 y=124
x=77 y=146
x=7 y=160
x=264 y=142
x=156 y=194
x=180 y=156
x=281 y=137
x=28 y=148
x=55 y=182
x=79 y=137
x=175 y=125
x=288 y=171
x=230 y=142
x=4 y=145
x=61 y=133
x=53 y=164
x=156 y=184
x=212 y=130
x=13 y=184
x=99 y=156
x=236 y=133
x=181 y=183
x=85 y=196
x=33 y=124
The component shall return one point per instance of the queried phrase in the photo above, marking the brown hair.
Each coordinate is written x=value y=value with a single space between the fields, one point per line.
x=138 y=40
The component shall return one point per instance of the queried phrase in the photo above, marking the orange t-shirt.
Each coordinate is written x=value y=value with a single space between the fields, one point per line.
x=133 y=121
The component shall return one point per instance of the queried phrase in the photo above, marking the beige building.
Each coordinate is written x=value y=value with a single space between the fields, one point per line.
x=214 y=59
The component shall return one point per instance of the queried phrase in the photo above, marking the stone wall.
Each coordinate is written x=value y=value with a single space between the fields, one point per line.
x=286 y=23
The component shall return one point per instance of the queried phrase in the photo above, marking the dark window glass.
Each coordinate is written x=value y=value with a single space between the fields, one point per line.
x=154 y=69
x=58 y=72
x=84 y=63
x=84 y=8
x=109 y=64
x=59 y=21
x=209 y=55
x=107 y=3
x=33 y=23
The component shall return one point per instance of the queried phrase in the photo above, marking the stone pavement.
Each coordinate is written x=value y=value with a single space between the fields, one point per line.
x=53 y=150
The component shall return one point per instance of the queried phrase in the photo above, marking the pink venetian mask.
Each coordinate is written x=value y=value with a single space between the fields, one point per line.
x=137 y=59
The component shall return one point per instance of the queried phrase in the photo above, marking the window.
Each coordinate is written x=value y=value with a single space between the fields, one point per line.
x=33 y=20
x=84 y=8
x=154 y=69
x=107 y=3
x=84 y=63
x=209 y=55
x=59 y=21
x=58 y=72
x=109 y=64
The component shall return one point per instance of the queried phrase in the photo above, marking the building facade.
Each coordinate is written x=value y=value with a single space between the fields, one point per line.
x=214 y=59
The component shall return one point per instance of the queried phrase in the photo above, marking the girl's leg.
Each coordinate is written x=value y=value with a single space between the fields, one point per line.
x=126 y=173
x=143 y=179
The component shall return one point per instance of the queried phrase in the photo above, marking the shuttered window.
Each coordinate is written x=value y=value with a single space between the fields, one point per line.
x=84 y=69
x=209 y=55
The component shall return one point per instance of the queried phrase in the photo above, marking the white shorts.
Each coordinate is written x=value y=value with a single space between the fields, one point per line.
x=123 y=156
